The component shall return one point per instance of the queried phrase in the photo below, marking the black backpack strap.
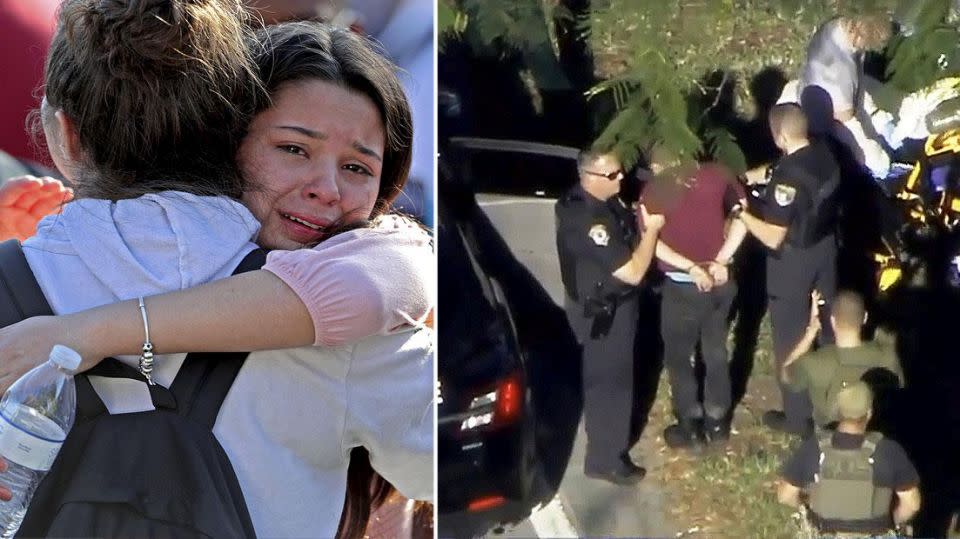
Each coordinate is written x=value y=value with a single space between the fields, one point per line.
x=20 y=294
x=90 y=405
x=204 y=380
x=114 y=368
x=22 y=298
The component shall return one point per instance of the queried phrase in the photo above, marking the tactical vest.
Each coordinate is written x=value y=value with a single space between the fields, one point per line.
x=843 y=489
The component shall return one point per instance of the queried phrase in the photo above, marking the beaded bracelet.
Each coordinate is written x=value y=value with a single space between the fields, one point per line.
x=146 y=355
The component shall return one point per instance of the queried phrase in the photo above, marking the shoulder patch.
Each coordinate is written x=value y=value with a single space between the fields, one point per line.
x=599 y=235
x=784 y=194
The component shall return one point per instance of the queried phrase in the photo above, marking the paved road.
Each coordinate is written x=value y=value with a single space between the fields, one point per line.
x=529 y=229
x=581 y=506
x=546 y=520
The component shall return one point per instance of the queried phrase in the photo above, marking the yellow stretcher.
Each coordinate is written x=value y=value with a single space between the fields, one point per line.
x=929 y=199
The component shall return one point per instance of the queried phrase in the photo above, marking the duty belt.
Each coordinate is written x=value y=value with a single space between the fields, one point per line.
x=633 y=291
x=787 y=245
x=602 y=311
x=873 y=526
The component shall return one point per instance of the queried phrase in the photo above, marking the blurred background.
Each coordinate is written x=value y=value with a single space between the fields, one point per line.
x=404 y=28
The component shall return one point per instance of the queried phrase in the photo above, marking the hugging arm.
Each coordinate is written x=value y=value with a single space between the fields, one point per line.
x=329 y=295
x=254 y=310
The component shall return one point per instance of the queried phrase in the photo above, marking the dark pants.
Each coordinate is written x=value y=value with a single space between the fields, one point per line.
x=790 y=281
x=687 y=317
x=607 y=384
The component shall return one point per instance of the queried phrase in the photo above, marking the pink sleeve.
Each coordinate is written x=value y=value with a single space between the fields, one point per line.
x=361 y=283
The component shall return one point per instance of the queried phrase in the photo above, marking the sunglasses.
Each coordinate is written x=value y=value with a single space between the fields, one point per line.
x=612 y=176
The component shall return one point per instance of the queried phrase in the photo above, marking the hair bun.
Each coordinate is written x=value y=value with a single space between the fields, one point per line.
x=163 y=37
x=156 y=88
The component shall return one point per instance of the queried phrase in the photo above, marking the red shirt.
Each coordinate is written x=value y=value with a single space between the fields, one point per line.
x=695 y=210
x=26 y=29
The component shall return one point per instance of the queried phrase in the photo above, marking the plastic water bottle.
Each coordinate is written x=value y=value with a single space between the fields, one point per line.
x=35 y=415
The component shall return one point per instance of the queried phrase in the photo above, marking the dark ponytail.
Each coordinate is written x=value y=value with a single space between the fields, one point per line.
x=366 y=491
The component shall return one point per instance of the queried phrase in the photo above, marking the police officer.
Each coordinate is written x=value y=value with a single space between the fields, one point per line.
x=601 y=264
x=851 y=475
x=821 y=373
x=796 y=220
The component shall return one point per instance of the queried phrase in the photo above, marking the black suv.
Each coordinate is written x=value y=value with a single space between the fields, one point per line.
x=508 y=362
x=486 y=447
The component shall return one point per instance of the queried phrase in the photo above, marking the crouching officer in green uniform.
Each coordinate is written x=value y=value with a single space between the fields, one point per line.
x=601 y=264
x=822 y=373
x=847 y=479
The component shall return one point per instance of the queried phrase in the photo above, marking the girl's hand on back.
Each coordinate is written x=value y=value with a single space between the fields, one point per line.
x=26 y=344
x=25 y=200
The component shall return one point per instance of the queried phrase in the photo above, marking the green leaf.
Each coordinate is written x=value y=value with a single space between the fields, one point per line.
x=908 y=12
x=722 y=146
x=942 y=40
x=446 y=17
x=628 y=132
x=933 y=13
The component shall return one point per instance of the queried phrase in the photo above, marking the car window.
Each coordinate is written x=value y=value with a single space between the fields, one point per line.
x=516 y=173
x=467 y=305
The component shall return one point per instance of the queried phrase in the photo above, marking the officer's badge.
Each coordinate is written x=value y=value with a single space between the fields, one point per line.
x=784 y=195
x=599 y=235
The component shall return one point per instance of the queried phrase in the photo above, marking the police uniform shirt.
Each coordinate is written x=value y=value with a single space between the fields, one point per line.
x=797 y=182
x=594 y=238
x=892 y=468
x=796 y=177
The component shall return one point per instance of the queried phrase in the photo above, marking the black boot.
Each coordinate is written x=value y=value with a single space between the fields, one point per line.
x=624 y=472
x=685 y=434
x=777 y=420
x=716 y=430
x=634 y=468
